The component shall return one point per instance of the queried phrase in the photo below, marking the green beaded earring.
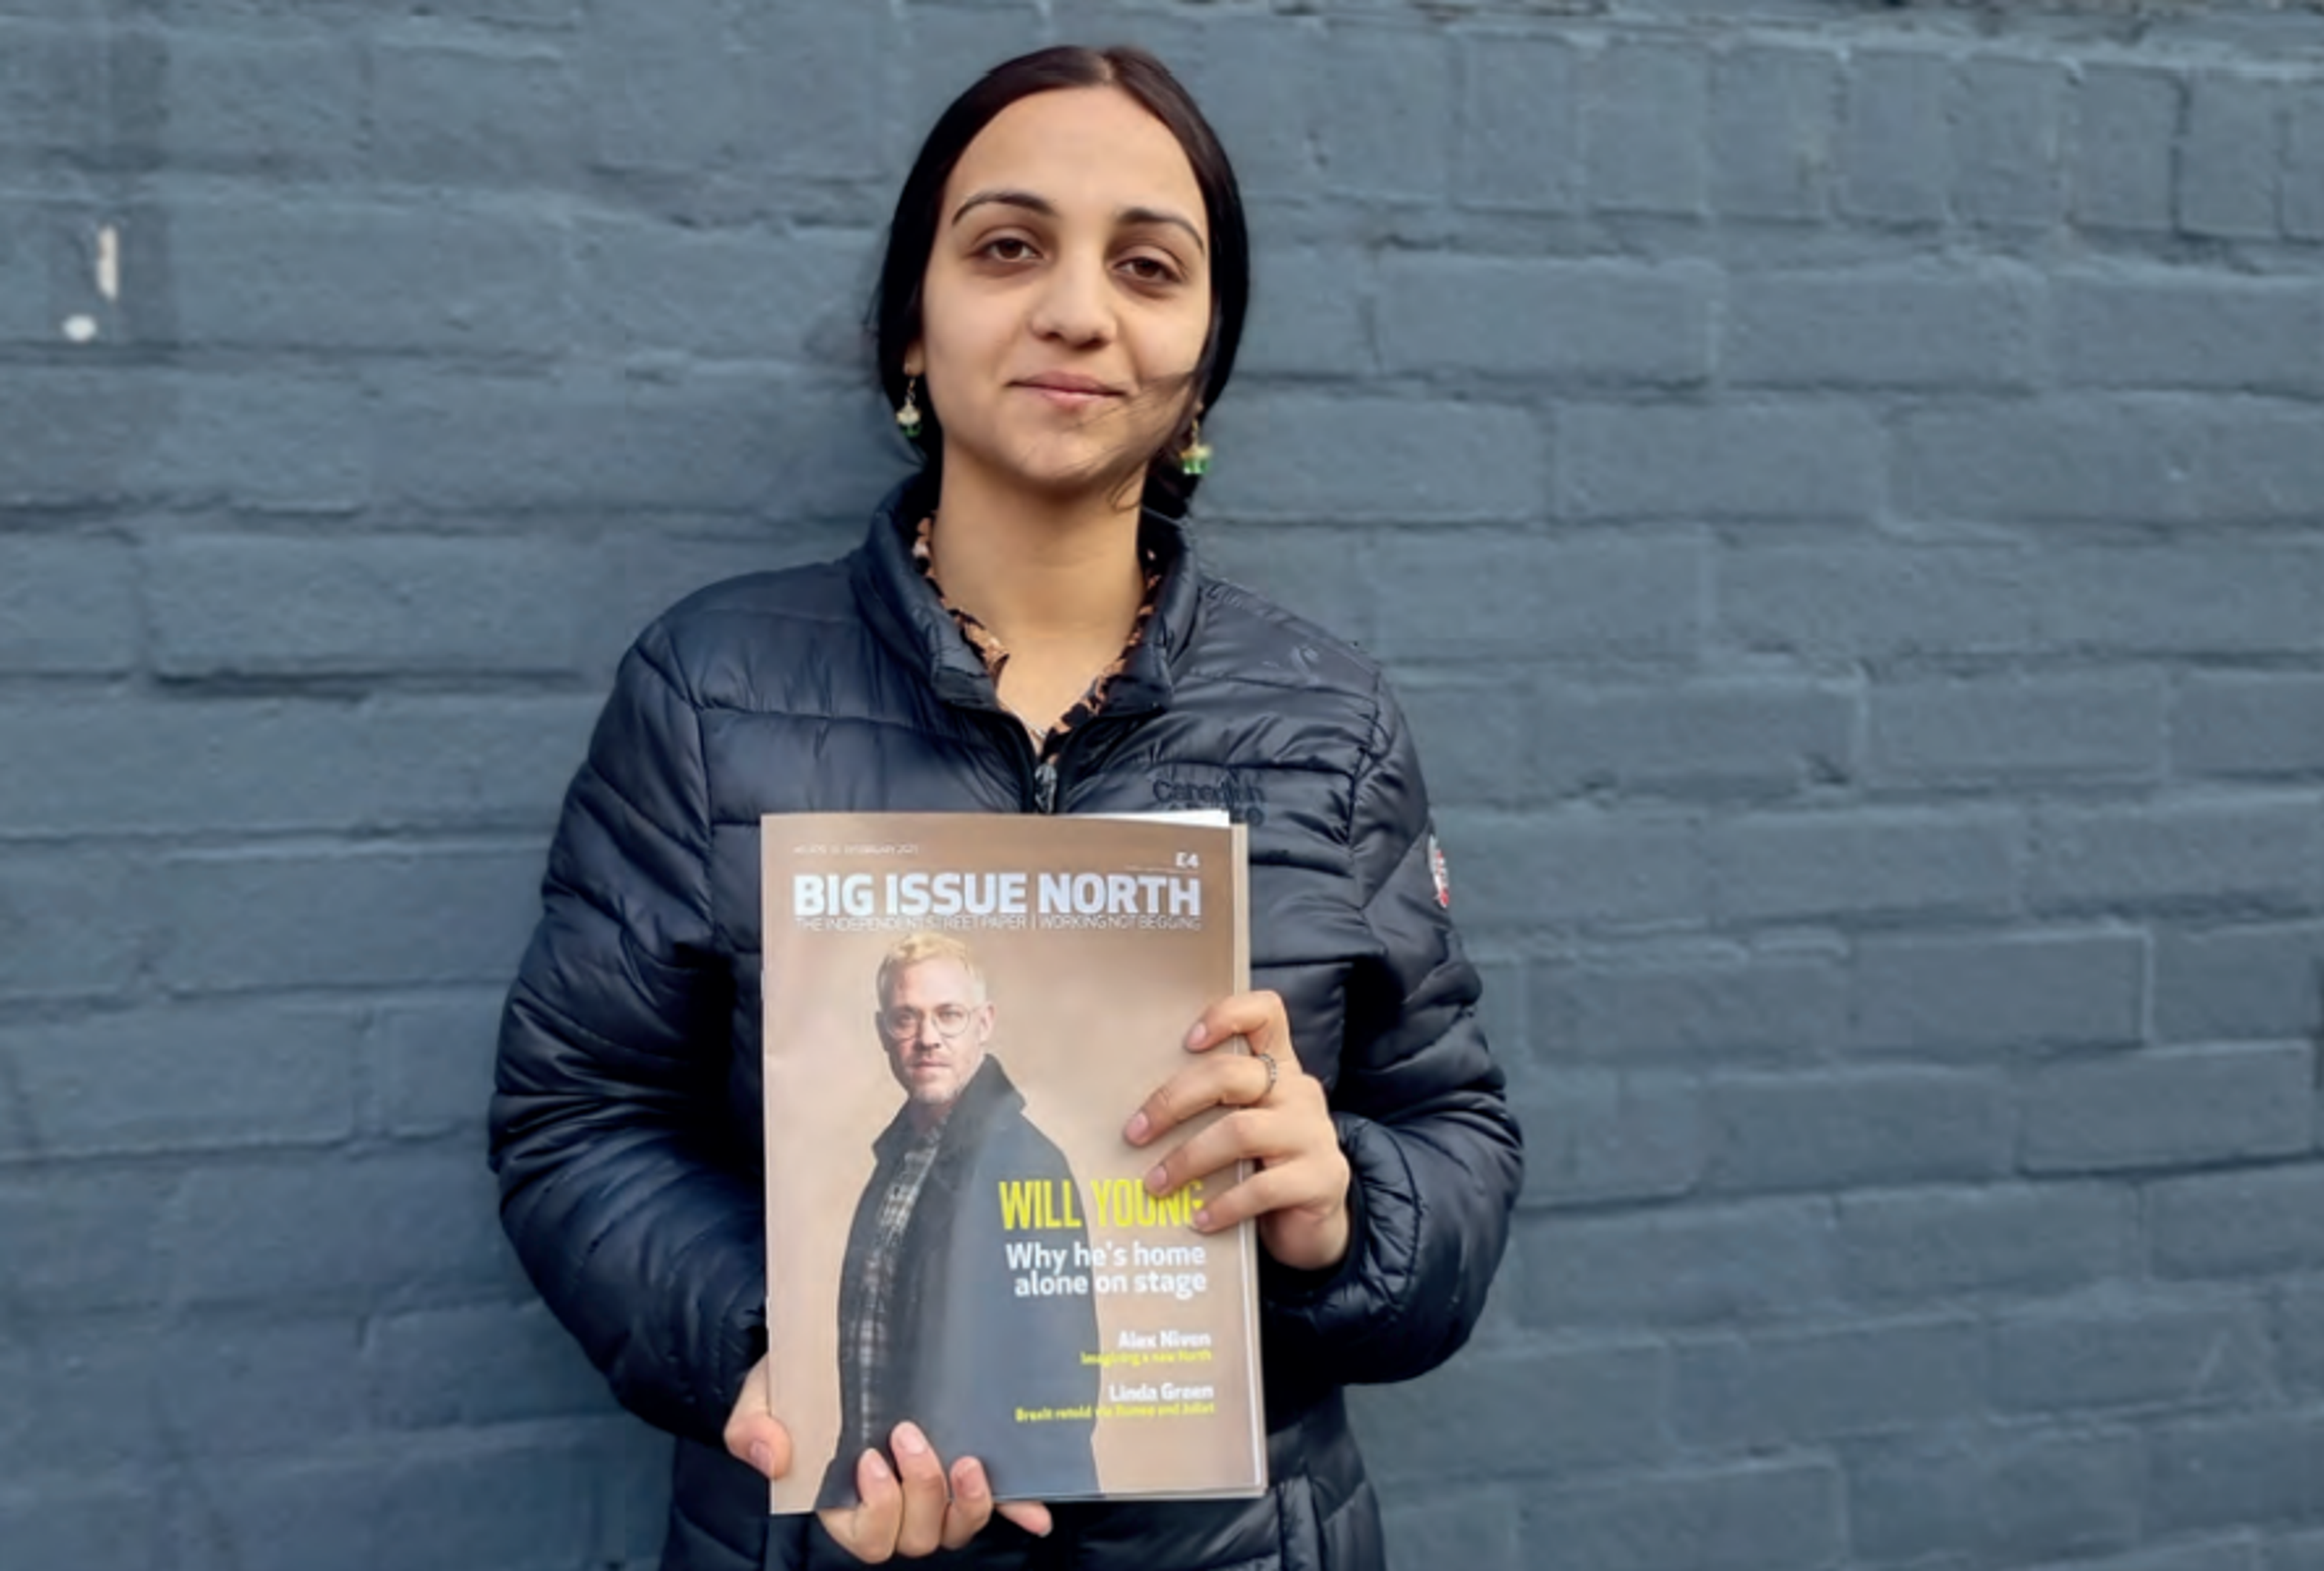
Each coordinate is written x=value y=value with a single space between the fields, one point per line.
x=908 y=413
x=1195 y=458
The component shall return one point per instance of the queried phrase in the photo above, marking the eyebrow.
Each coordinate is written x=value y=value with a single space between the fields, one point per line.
x=1033 y=202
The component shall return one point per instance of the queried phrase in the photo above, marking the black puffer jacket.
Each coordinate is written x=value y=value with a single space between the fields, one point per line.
x=626 y=1125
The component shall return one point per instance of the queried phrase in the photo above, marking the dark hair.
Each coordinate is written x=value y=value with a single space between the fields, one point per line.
x=912 y=232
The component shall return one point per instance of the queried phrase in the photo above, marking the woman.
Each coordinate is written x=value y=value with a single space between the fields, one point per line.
x=1062 y=298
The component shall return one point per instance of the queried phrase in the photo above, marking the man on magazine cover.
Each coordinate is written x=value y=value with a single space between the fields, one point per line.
x=931 y=1326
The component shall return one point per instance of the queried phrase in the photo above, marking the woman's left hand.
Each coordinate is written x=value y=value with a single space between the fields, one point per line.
x=1276 y=1120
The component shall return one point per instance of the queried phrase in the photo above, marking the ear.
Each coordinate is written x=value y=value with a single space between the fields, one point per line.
x=916 y=362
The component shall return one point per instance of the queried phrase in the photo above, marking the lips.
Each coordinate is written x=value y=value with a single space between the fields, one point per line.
x=1068 y=382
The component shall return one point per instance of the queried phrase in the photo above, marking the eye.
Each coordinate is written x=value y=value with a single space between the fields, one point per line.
x=1147 y=268
x=1007 y=248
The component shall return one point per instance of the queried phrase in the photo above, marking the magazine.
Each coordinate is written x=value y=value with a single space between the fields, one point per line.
x=962 y=1012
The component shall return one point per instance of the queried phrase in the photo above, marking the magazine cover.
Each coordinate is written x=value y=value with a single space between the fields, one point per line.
x=962 y=1012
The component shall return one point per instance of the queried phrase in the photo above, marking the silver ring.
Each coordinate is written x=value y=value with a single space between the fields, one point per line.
x=1274 y=1073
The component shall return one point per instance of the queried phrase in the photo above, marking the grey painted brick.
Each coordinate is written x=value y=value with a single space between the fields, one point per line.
x=1890 y=327
x=1893 y=143
x=2007 y=126
x=73 y=1388
x=2232 y=1554
x=307 y=918
x=428 y=1063
x=1579 y=868
x=946 y=47
x=225 y=1379
x=1911 y=1247
x=1785 y=1388
x=419 y=1370
x=1315 y=318
x=641 y=574
x=342 y=278
x=2132 y=1353
x=2027 y=1497
x=1582 y=321
x=2214 y=1104
x=349 y=1231
x=1801 y=865
x=1705 y=1265
x=2237 y=1223
x=1934 y=994
x=2287 y=1552
x=82 y=1522
x=255 y=440
x=270 y=105
x=81 y=1240
x=1256 y=81
x=1645 y=109
x=2192 y=855
x=1469 y=1528
x=2162 y=599
x=505 y=1499
x=2124 y=147
x=2303 y=169
x=1520 y=138
x=1774 y=119
x=1712 y=739
x=1475 y=736
x=658 y=92
x=414 y=603
x=2229 y=157
x=1776 y=461
x=1713 y=1009
x=706 y=441
x=51 y=89
x=1844 y=602
x=2116 y=463
x=120 y=764
x=71 y=922
x=2231 y=1472
x=2231 y=723
x=448 y=117
x=1387 y=121
x=1526 y=1413
x=2239 y=982
x=1593 y=1137
x=803 y=116
x=187 y=1079
x=2263 y=464
x=1754 y=1517
x=1498 y=596
x=2255 y=335
x=1381 y=459
x=68 y=604
x=1977 y=731
x=2299 y=1325
x=1834 y=1132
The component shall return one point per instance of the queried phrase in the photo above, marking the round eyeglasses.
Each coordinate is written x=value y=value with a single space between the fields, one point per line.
x=902 y=1023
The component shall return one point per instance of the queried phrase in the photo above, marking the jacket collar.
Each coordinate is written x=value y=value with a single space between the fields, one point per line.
x=989 y=1095
x=908 y=617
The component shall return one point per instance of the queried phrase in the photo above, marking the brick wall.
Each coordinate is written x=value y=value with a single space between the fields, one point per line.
x=1841 y=486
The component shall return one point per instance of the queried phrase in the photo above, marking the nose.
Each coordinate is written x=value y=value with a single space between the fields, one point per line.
x=1076 y=305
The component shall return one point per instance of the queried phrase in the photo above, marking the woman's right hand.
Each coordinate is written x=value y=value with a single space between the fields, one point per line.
x=911 y=1516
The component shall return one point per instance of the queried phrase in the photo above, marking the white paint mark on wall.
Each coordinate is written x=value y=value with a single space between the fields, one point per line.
x=108 y=263
x=80 y=329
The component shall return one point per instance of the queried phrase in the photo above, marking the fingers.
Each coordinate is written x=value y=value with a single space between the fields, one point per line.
x=921 y=1529
x=753 y=1431
x=1259 y=1016
x=868 y=1530
x=972 y=1503
x=1029 y=1514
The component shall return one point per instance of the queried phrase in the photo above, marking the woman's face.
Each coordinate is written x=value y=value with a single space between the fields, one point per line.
x=1067 y=295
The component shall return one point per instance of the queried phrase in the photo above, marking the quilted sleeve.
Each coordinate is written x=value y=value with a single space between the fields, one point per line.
x=641 y=1232
x=1436 y=1157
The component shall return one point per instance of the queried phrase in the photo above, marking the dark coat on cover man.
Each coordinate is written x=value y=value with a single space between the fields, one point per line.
x=626 y=1124
x=966 y=1353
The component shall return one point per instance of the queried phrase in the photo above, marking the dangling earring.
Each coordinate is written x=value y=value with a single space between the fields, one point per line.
x=908 y=413
x=1195 y=458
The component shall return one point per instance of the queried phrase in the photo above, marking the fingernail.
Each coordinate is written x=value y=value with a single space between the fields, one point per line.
x=971 y=1483
x=762 y=1457
x=1195 y=1037
x=880 y=1468
x=909 y=1442
x=1135 y=1130
x=1158 y=1177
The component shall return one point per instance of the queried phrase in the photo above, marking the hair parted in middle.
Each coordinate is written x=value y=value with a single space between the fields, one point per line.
x=912 y=233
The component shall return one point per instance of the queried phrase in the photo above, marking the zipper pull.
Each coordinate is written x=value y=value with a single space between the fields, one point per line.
x=1045 y=786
